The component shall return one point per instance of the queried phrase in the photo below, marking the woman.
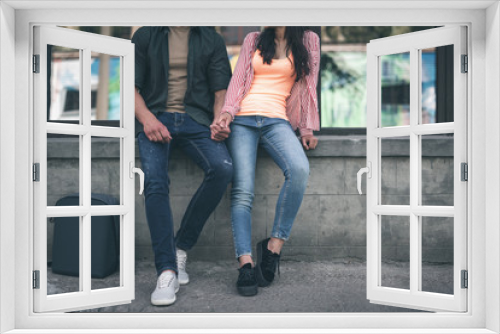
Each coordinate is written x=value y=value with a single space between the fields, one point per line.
x=271 y=94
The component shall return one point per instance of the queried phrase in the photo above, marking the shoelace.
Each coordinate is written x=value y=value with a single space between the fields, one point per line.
x=247 y=275
x=181 y=262
x=272 y=261
x=166 y=281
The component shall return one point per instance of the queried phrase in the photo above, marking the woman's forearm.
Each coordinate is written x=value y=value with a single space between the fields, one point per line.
x=234 y=93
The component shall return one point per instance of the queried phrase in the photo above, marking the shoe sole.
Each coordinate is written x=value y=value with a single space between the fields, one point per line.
x=261 y=281
x=165 y=302
x=247 y=290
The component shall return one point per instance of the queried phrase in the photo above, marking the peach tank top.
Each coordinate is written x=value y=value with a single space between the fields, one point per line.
x=270 y=88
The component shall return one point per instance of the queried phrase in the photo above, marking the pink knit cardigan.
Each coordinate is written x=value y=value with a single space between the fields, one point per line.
x=301 y=105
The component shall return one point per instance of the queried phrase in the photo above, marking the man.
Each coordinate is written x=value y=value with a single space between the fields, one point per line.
x=181 y=76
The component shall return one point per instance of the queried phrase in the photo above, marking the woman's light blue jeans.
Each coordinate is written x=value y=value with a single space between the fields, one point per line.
x=279 y=140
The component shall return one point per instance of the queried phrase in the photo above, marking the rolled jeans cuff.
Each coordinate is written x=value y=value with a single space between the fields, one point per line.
x=245 y=253
x=167 y=268
x=278 y=235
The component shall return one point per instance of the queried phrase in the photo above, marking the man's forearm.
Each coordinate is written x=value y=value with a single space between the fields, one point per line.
x=142 y=112
x=220 y=96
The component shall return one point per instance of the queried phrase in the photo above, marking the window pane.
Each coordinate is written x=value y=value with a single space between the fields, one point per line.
x=437 y=169
x=106 y=86
x=105 y=252
x=63 y=255
x=395 y=171
x=343 y=71
x=106 y=167
x=395 y=89
x=395 y=254
x=63 y=84
x=63 y=167
x=437 y=85
x=343 y=88
x=437 y=254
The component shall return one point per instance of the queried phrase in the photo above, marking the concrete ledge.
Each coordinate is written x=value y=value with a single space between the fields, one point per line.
x=331 y=223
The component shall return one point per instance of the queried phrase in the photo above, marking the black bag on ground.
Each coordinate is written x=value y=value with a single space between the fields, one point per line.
x=105 y=240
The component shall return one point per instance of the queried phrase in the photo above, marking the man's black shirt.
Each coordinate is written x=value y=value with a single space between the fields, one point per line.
x=208 y=70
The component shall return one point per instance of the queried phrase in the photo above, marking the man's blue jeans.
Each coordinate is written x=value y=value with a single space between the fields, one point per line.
x=278 y=139
x=211 y=156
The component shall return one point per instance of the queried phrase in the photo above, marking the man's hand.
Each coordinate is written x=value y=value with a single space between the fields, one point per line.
x=220 y=127
x=219 y=133
x=309 y=142
x=156 y=131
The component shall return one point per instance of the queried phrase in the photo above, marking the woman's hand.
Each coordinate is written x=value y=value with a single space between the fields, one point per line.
x=220 y=127
x=224 y=120
x=309 y=142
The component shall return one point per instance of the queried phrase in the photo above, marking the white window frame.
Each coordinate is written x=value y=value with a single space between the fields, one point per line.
x=414 y=211
x=483 y=123
x=85 y=297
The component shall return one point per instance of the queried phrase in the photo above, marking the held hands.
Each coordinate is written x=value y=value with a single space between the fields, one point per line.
x=220 y=131
x=220 y=127
x=309 y=142
x=156 y=131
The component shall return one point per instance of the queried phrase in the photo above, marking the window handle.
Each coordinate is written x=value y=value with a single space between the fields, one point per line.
x=135 y=170
x=367 y=170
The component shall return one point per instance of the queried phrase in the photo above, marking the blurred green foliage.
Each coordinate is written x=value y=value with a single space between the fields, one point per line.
x=363 y=34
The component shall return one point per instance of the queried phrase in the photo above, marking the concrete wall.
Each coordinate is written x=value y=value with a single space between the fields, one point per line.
x=331 y=223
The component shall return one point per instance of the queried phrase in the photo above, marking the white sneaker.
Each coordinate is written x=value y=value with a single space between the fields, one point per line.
x=166 y=287
x=181 y=266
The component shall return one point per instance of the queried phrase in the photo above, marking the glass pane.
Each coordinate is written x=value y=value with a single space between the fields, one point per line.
x=63 y=84
x=105 y=85
x=63 y=167
x=437 y=254
x=105 y=271
x=437 y=85
x=63 y=255
x=106 y=167
x=395 y=89
x=343 y=88
x=437 y=169
x=395 y=254
x=395 y=171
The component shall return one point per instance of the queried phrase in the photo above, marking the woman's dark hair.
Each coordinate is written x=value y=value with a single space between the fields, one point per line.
x=294 y=43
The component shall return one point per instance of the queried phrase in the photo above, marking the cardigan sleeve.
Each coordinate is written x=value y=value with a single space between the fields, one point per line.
x=309 y=113
x=234 y=93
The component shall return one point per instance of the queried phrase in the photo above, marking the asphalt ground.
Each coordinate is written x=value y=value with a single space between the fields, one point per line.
x=337 y=286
